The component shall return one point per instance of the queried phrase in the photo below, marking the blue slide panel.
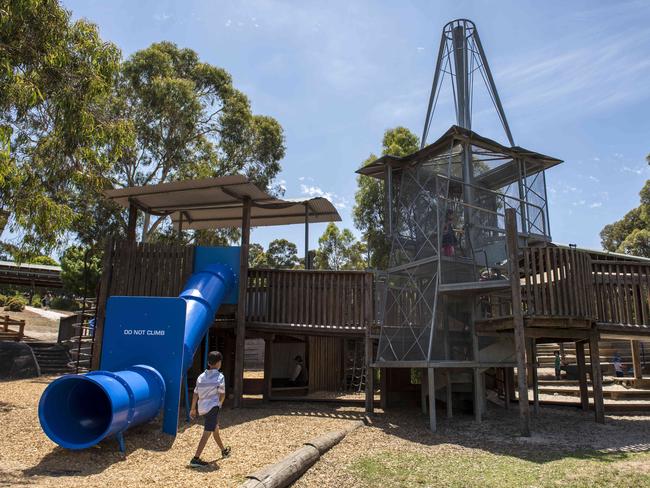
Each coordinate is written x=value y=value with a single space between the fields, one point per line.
x=148 y=345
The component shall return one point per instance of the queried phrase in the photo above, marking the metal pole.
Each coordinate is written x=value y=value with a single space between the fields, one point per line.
x=434 y=90
x=307 y=263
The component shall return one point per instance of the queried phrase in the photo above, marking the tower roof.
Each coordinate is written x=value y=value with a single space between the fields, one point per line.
x=535 y=162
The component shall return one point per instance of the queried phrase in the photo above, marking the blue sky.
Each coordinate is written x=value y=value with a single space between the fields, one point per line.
x=574 y=78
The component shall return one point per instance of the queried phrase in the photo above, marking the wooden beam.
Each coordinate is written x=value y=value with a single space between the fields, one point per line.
x=518 y=320
x=132 y=223
x=268 y=368
x=596 y=378
x=533 y=375
x=478 y=394
x=582 y=375
x=432 y=399
x=449 y=391
x=104 y=292
x=507 y=385
x=636 y=359
x=367 y=320
x=240 y=339
x=383 y=388
x=423 y=390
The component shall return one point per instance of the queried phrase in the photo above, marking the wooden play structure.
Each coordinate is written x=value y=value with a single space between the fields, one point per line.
x=474 y=288
x=320 y=315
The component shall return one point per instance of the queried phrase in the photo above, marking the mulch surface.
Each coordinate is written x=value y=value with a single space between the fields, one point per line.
x=259 y=434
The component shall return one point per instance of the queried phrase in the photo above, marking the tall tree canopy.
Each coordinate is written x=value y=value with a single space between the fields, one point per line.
x=368 y=211
x=55 y=84
x=282 y=254
x=75 y=119
x=631 y=234
x=188 y=121
x=339 y=250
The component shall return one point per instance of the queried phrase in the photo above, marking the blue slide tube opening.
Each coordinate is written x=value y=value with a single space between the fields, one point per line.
x=78 y=411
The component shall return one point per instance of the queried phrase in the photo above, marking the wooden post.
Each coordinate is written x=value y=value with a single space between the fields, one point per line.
x=478 y=394
x=432 y=399
x=636 y=359
x=268 y=368
x=582 y=375
x=449 y=392
x=533 y=373
x=132 y=222
x=507 y=386
x=518 y=321
x=240 y=339
x=596 y=378
x=104 y=291
x=307 y=264
x=423 y=390
x=368 y=320
x=383 y=388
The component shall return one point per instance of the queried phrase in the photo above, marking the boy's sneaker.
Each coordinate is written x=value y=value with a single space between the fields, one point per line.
x=225 y=452
x=197 y=463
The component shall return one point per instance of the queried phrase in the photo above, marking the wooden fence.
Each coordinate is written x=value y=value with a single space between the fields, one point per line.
x=557 y=283
x=13 y=335
x=312 y=298
x=622 y=292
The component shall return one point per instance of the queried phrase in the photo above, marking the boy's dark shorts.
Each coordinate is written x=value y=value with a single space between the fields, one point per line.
x=210 y=420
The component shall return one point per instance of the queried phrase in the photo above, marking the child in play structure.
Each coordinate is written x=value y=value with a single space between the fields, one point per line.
x=208 y=397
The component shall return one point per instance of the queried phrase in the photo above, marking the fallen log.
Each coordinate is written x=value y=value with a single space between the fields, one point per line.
x=292 y=467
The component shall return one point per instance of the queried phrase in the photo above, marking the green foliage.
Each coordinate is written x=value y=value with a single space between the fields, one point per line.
x=368 y=211
x=64 y=303
x=37 y=301
x=257 y=256
x=75 y=120
x=47 y=260
x=282 y=254
x=631 y=234
x=3 y=300
x=339 y=250
x=15 y=304
x=78 y=279
x=56 y=81
x=186 y=120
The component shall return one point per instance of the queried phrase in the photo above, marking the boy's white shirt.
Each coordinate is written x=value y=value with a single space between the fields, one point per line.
x=209 y=386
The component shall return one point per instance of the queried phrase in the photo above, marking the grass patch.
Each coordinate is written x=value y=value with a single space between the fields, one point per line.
x=471 y=468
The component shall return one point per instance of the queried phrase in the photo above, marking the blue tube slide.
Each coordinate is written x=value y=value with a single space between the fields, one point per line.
x=78 y=411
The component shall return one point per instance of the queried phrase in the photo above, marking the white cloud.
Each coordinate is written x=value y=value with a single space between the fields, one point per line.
x=637 y=171
x=593 y=178
x=313 y=191
x=228 y=23
x=596 y=205
x=579 y=202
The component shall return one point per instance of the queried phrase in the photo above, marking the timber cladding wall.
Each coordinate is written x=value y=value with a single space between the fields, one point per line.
x=140 y=269
x=325 y=363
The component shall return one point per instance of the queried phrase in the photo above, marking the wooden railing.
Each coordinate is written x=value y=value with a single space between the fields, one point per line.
x=6 y=333
x=557 y=283
x=326 y=299
x=622 y=292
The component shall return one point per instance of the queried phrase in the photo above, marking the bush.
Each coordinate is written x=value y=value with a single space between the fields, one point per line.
x=15 y=304
x=64 y=303
x=3 y=300
x=37 y=301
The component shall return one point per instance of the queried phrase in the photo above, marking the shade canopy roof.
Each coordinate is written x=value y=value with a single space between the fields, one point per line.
x=211 y=203
x=535 y=162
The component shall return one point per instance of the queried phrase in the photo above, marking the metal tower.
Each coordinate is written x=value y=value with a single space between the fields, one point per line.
x=460 y=56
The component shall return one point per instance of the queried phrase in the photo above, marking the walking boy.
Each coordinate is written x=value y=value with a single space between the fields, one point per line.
x=558 y=366
x=208 y=397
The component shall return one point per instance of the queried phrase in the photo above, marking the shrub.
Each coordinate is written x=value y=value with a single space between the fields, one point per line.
x=3 y=300
x=37 y=301
x=64 y=303
x=15 y=304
